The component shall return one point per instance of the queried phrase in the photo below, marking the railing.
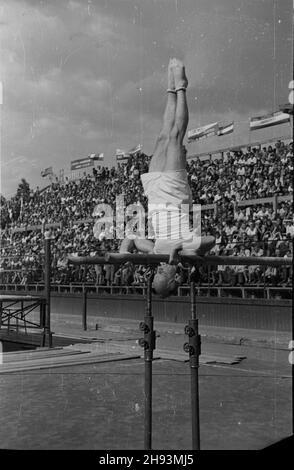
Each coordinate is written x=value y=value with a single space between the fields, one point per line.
x=29 y=227
x=242 y=292
x=204 y=290
x=74 y=288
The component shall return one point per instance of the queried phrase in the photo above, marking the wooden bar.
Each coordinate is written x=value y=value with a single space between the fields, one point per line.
x=138 y=258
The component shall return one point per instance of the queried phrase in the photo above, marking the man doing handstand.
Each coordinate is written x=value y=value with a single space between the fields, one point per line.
x=167 y=188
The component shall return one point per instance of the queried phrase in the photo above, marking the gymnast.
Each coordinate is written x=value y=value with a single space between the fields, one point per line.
x=166 y=186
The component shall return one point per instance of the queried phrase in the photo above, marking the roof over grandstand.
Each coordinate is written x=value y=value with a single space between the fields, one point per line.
x=89 y=77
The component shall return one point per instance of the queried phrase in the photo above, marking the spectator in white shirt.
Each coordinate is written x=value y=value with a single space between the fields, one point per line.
x=290 y=228
x=251 y=230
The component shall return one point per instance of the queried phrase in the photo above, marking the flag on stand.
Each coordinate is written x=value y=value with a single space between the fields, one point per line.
x=47 y=172
x=204 y=131
x=135 y=150
x=96 y=156
x=272 y=119
x=226 y=129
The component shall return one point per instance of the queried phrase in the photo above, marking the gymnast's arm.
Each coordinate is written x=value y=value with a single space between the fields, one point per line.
x=143 y=245
x=200 y=246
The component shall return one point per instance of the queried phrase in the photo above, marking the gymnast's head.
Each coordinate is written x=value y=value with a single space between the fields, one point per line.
x=165 y=281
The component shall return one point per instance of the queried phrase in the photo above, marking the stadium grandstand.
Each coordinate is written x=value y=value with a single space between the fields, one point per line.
x=246 y=204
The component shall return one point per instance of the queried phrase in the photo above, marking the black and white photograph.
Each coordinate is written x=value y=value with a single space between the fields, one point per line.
x=146 y=238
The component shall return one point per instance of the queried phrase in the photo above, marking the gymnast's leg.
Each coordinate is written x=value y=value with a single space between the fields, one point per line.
x=159 y=155
x=176 y=155
x=176 y=152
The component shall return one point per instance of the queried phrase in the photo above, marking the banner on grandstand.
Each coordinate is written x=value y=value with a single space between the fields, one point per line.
x=47 y=172
x=272 y=119
x=81 y=163
x=97 y=157
x=225 y=129
x=204 y=131
x=121 y=154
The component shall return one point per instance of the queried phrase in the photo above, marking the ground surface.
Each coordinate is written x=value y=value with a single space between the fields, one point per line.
x=101 y=406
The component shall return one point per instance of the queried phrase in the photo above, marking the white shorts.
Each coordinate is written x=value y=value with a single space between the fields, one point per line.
x=169 y=202
x=162 y=247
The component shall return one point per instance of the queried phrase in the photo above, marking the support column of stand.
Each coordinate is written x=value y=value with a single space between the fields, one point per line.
x=42 y=314
x=47 y=280
x=148 y=343
x=194 y=350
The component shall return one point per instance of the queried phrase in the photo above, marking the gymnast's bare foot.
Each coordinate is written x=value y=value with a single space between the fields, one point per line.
x=179 y=74
x=170 y=76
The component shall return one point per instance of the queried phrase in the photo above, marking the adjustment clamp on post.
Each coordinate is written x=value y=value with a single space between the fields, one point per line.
x=193 y=347
x=148 y=342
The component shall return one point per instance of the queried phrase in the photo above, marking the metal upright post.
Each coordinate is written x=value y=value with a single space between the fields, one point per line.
x=47 y=281
x=292 y=344
x=194 y=350
x=148 y=343
x=85 y=309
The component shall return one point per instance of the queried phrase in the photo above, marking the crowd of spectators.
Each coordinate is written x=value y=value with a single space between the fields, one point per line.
x=256 y=173
x=226 y=182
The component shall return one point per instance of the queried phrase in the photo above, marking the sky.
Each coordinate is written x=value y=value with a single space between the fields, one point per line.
x=89 y=76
